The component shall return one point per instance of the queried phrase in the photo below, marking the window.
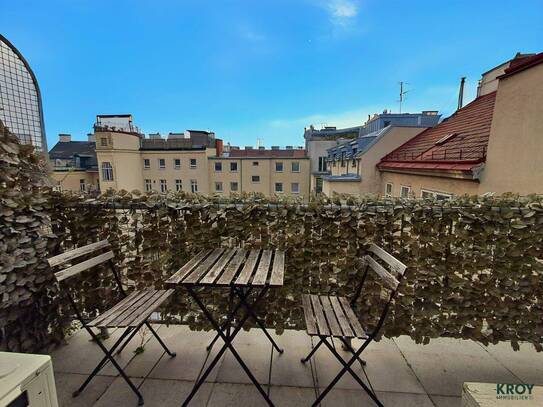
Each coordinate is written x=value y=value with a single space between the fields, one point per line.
x=278 y=167
x=295 y=166
x=255 y=178
x=388 y=190
x=178 y=185
x=318 y=184
x=161 y=163
x=177 y=163
x=255 y=163
x=295 y=188
x=405 y=191
x=322 y=164
x=82 y=186
x=218 y=186
x=440 y=196
x=193 y=163
x=107 y=172
x=234 y=186
x=193 y=185
x=146 y=163
x=148 y=186
x=233 y=166
x=354 y=163
x=279 y=187
x=163 y=186
x=103 y=141
x=218 y=166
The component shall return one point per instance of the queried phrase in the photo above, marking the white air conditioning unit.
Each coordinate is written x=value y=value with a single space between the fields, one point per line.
x=26 y=380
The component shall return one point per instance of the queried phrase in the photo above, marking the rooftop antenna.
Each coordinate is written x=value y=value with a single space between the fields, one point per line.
x=259 y=142
x=402 y=94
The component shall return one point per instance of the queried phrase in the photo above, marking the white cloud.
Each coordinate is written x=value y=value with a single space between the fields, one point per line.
x=342 y=12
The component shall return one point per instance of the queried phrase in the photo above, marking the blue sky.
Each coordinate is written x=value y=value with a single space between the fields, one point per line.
x=259 y=69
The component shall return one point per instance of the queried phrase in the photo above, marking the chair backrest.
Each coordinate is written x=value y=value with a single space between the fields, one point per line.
x=77 y=268
x=396 y=268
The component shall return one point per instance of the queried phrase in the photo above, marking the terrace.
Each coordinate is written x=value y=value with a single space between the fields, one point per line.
x=402 y=372
x=472 y=294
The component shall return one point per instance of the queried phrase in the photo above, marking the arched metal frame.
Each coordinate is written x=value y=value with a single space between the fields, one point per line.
x=38 y=92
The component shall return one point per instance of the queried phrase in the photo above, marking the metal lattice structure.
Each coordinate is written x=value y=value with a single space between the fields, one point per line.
x=20 y=98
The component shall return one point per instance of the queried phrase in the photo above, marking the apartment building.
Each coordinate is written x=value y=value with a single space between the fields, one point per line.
x=317 y=142
x=353 y=164
x=74 y=165
x=493 y=144
x=270 y=172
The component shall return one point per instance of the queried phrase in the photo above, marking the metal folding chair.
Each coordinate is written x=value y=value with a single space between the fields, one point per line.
x=131 y=313
x=331 y=317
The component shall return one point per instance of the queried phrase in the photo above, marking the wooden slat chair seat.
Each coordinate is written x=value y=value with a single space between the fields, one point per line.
x=334 y=317
x=331 y=316
x=131 y=313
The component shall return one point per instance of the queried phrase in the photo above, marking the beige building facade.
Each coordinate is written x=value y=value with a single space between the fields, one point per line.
x=353 y=164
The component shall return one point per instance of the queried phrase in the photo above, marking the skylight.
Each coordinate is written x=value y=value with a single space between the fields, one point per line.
x=446 y=138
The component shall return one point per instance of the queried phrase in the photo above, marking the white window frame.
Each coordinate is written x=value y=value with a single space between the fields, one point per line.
x=193 y=166
x=107 y=171
x=219 y=164
x=237 y=186
x=82 y=185
x=163 y=186
x=278 y=191
x=218 y=186
x=236 y=163
x=402 y=187
x=256 y=163
x=436 y=194
x=146 y=163
x=175 y=165
x=253 y=179
x=389 y=194
x=295 y=190
x=292 y=166
x=178 y=184
x=148 y=185
x=160 y=161
x=281 y=164
x=194 y=185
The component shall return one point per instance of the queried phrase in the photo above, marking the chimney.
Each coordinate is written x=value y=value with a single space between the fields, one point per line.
x=64 y=138
x=261 y=147
x=219 y=147
x=461 y=93
x=288 y=147
x=248 y=147
x=91 y=138
x=275 y=147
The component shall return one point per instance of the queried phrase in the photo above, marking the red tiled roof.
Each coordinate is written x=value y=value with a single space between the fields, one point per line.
x=294 y=153
x=521 y=64
x=458 y=143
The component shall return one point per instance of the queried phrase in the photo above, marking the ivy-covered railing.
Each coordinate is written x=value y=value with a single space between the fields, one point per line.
x=475 y=266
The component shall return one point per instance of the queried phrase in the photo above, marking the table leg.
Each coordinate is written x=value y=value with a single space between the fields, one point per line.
x=227 y=345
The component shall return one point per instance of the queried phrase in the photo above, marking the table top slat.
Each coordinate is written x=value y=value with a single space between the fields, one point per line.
x=319 y=315
x=310 y=322
x=178 y=276
x=261 y=275
x=203 y=268
x=216 y=270
x=232 y=268
x=248 y=268
x=278 y=268
x=342 y=318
